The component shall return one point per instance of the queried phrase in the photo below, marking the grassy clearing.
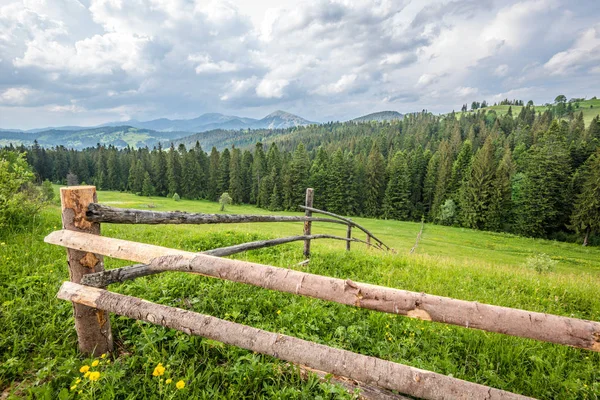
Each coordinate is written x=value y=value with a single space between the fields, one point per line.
x=589 y=108
x=38 y=356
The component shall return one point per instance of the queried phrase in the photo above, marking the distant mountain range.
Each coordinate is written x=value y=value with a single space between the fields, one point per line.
x=210 y=129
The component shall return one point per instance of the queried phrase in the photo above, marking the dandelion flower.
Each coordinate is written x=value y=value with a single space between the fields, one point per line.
x=278 y=312
x=103 y=355
x=84 y=369
x=180 y=385
x=95 y=363
x=94 y=376
x=169 y=381
x=86 y=374
x=159 y=370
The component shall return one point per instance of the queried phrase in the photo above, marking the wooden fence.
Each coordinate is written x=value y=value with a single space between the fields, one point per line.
x=92 y=302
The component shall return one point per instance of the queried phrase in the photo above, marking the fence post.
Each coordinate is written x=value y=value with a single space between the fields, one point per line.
x=93 y=326
x=348 y=236
x=308 y=202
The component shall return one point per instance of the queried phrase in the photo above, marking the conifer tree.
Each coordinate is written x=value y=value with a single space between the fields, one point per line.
x=443 y=177
x=337 y=181
x=477 y=191
x=500 y=214
x=585 y=218
x=147 y=186
x=173 y=171
x=224 y=168
x=236 y=188
x=544 y=199
x=247 y=163
x=396 y=204
x=374 y=182
x=160 y=171
x=213 y=175
x=203 y=170
x=319 y=179
x=429 y=184
x=259 y=171
x=191 y=185
x=298 y=177
x=460 y=168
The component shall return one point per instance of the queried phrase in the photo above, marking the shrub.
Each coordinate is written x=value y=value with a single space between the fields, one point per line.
x=176 y=197
x=20 y=200
x=47 y=191
x=541 y=263
x=448 y=212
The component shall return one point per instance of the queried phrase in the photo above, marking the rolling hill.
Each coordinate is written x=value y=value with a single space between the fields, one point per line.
x=380 y=116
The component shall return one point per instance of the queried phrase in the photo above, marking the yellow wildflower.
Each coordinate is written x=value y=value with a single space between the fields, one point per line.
x=78 y=380
x=73 y=387
x=86 y=374
x=84 y=369
x=278 y=312
x=94 y=376
x=169 y=381
x=180 y=385
x=95 y=363
x=103 y=355
x=159 y=370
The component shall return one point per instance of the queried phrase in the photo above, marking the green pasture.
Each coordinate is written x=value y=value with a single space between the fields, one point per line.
x=38 y=350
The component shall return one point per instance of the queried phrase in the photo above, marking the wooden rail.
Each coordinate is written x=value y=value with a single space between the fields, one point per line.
x=371 y=370
x=514 y=322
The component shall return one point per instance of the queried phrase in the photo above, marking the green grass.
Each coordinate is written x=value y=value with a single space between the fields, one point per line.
x=584 y=106
x=38 y=356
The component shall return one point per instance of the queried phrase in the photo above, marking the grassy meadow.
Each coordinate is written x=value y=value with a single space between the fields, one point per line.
x=38 y=347
x=589 y=108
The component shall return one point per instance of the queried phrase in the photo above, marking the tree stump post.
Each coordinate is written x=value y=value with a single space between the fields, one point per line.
x=348 y=236
x=308 y=202
x=92 y=325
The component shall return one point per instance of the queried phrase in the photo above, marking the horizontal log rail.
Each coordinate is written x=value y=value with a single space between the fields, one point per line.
x=348 y=222
x=130 y=272
x=102 y=213
x=533 y=325
x=370 y=370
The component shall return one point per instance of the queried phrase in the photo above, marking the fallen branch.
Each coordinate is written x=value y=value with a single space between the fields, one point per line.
x=130 y=272
x=101 y=213
x=385 y=374
x=546 y=327
x=348 y=222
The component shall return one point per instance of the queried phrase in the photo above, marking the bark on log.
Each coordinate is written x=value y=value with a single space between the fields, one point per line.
x=92 y=326
x=101 y=213
x=546 y=327
x=386 y=374
x=307 y=224
x=348 y=222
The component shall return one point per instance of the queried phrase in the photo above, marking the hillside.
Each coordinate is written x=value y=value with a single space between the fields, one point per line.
x=118 y=136
x=589 y=108
x=380 y=116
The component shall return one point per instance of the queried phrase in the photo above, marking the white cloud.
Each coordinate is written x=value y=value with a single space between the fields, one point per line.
x=15 y=96
x=345 y=83
x=584 y=52
x=501 y=70
x=269 y=88
x=466 y=92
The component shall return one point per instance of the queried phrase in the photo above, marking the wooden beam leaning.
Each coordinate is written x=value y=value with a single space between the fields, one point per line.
x=514 y=322
x=347 y=221
x=370 y=370
x=101 y=213
x=94 y=334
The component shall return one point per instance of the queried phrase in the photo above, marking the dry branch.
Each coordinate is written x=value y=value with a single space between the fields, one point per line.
x=386 y=374
x=101 y=213
x=546 y=327
x=139 y=270
x=348 y=222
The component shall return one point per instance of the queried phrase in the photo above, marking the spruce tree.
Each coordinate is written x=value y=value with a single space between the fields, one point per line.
x=585 y=218
x=429 y=185
x=319 y=178
x=459 y=169
x=236 y=187
x=500 y=214
x=247 y=163
x=159 y=168
x=444 y=174
x=259 y=171
x=298 y=177
x=396 y=204
x=173 y=172
x=147 y=186
x=224 y=168
x=213 y=175
x=191 y=185
x=477 y=191
x=374 y=183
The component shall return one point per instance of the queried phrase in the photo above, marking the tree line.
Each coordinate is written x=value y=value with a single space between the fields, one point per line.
x=529 y=174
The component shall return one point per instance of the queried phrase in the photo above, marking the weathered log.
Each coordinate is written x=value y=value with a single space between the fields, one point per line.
x=307 y=224
x=348 y=222
x=101 y=213
x=93 y=326
x=130 y=272
x=546 y=327
x=370 y=370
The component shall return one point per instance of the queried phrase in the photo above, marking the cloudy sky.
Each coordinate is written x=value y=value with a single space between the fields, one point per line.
x=91 y=61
